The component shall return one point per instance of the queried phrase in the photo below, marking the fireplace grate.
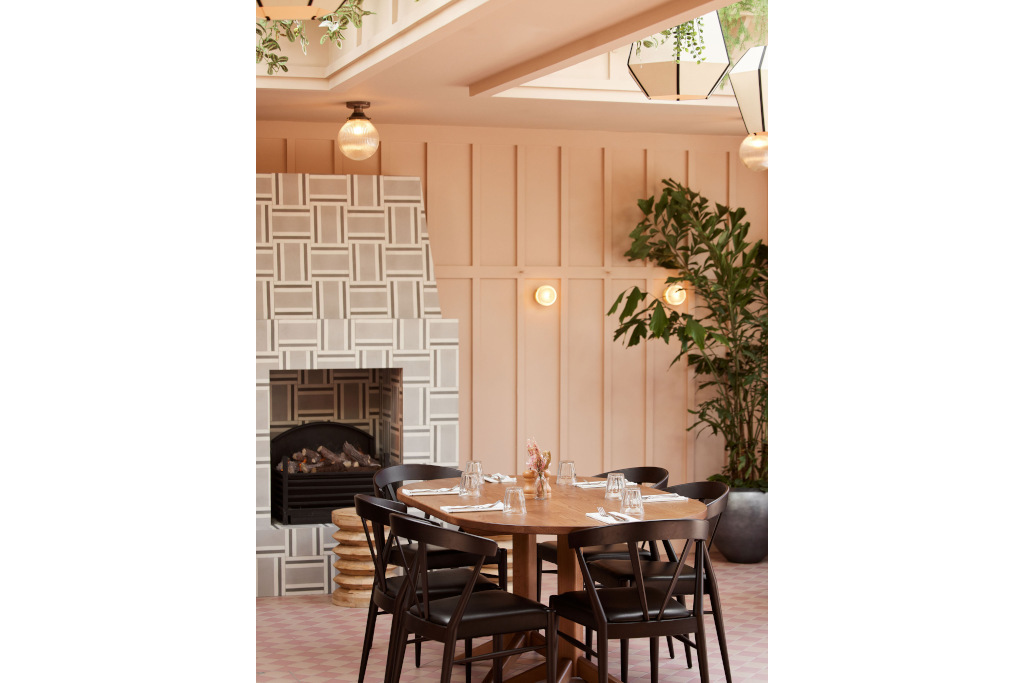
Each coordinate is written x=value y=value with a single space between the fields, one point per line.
x=300 y=498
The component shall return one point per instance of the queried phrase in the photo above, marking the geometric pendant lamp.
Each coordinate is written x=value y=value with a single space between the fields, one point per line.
x=660 y=77
x=748 y=80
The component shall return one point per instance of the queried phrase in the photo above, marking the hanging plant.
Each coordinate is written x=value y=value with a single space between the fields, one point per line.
x=269 y=32
x=689 y=37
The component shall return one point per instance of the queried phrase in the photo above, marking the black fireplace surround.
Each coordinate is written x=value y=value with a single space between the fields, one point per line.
x=309 y=498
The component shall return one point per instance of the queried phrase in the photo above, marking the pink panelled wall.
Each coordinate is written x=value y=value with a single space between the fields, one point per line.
x=511 y=209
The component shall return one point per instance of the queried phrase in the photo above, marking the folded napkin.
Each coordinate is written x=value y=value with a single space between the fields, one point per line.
x=499 y=478
x=431 y=492
x=598 y=484
x=497 y=507
x=662 y=496
x=608 y=519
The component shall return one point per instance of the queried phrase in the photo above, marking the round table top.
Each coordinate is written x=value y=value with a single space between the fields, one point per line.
x=564 y=511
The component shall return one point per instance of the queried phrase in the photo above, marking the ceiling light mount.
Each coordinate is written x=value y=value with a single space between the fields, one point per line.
x=358 y=139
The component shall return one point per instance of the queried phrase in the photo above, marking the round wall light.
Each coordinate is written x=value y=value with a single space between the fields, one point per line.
x=545 y=295
x=754 y=152
x=358 y=139
x=674 y=294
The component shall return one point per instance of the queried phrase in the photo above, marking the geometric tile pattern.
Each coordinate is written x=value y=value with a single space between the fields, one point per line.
x=345 y=282
x=307 y=639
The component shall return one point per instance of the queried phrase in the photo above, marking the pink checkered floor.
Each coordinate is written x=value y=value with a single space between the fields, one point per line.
x=308 y=639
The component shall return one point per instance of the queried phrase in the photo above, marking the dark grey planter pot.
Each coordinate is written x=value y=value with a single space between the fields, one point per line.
x=742 y=534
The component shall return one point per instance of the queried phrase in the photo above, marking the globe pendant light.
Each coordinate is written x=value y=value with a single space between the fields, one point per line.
x=358 y=139
x=748 y=79
x=662 y=77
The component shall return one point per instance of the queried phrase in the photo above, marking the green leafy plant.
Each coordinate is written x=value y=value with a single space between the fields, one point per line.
x=725 y=339
x=744 y=23
x=269 y=32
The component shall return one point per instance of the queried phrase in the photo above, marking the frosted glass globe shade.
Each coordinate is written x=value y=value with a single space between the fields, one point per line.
x=674 y=295
x=545 y=295
x=754 y=152
x=358 y=139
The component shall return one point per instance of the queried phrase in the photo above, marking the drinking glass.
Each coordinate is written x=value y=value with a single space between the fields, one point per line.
x=515 y=501
x=469 y=485
x=632 y=503
x=566 y=472
x=616 y=483
x=476 y=468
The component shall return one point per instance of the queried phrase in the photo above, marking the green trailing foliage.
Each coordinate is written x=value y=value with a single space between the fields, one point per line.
x=744 y=23
x=725 y=339
x=269 y=33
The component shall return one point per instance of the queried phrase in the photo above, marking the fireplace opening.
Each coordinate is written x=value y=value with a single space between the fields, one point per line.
x=331 y=431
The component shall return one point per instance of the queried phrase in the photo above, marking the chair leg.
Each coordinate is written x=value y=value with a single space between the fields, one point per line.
x=624 y=663
x=590 y=642
x=396 y=654
x=702 y=652
x=497 y=647
x=469 y=653
x=602 y=655
x=671 y=647
x=371 y=620
x=551 y=634
x=416 y=649
x=503 y=568
x=539 y=576
x=654 y=660
x=716 y=607
x=447 y=659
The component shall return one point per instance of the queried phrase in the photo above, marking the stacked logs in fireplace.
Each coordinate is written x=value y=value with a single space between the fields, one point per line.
x=319 y=467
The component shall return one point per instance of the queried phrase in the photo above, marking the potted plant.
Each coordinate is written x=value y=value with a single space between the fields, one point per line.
x=270 y=31
x=724 y=339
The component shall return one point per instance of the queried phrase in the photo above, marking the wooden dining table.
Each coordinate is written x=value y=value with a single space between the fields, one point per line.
x=563 y=512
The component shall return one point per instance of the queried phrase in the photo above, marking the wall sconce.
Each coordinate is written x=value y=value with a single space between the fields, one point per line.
x=545 y=295
x=674 y=294
x=358 y=139
x=749 y=83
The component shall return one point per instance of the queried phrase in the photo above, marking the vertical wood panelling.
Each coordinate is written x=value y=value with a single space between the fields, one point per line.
x=584 y=305
x=628 y=397
x=628 y=185
x=543 y=241
x=508 y=210
x=498 y=189
x=541 y=364
x=449 y=203
x=271 y=155
x=315 y=156
x=494 y=380
x=586 y=206
x=456 y=296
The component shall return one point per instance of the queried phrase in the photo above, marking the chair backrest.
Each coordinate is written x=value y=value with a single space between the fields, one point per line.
x=714 y=494
x=634 y=534
x=415 y=588
x=376 y=515
x=388 y=480
x=657 y=476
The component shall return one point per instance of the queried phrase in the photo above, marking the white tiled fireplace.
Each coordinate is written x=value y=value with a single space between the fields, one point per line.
x=344 y=281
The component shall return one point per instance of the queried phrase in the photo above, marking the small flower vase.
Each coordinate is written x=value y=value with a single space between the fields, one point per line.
x=543 y=487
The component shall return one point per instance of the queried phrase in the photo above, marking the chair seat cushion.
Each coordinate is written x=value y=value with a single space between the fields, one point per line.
x=443 y=583
x=610 y=572
x=620 y=605
x=548 y=552
x=489 y=613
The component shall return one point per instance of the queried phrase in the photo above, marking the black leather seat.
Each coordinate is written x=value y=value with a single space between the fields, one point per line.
x=376 y=514
x=639 y=610
x=547 y=551
x=470 y=615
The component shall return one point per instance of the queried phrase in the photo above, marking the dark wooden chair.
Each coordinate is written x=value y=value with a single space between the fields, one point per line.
x=547 y=551
x=375 y=514
x=471 y=614
x=614 y=572
x=386 y=483
x=641 y=610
